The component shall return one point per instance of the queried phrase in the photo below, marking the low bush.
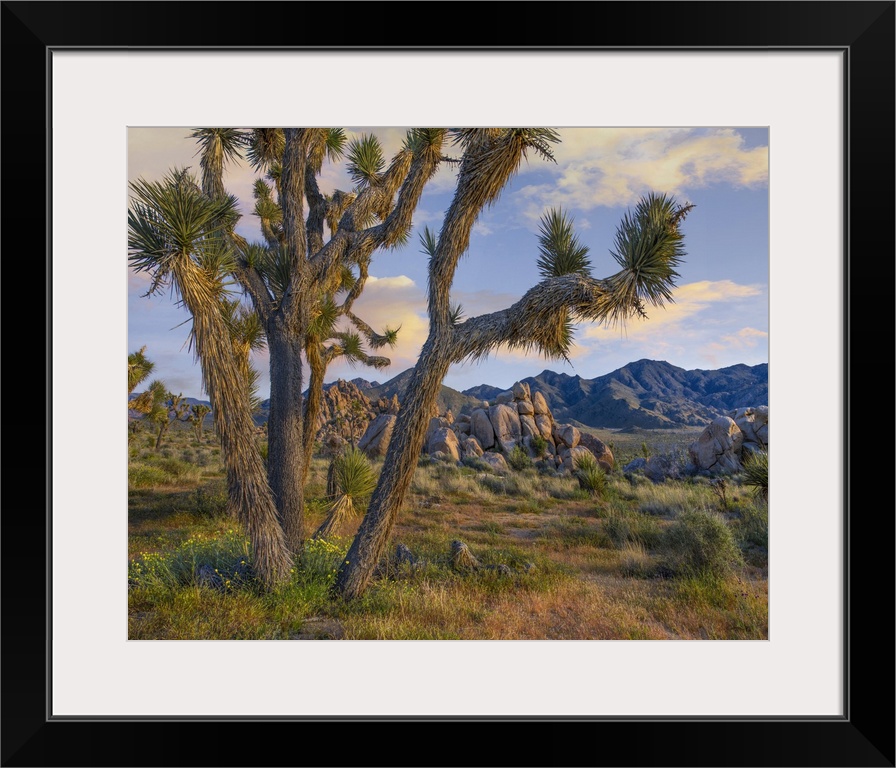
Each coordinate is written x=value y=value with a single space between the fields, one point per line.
x=700 y=542
x=519 y=459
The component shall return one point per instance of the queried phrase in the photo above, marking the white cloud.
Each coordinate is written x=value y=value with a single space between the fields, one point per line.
x=391 y=301
x=690 y=299
x=615 y=166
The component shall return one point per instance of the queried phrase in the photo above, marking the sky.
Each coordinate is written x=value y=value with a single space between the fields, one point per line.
x=719 y=316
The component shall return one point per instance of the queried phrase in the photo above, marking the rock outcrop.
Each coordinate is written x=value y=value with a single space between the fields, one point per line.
x=516 y=418
x=721 y=446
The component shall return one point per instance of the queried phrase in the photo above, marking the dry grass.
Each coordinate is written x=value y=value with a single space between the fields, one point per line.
x=556 y=563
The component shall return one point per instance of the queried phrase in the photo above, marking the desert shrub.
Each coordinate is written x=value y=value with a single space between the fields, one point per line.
x=210 y=502
x=590 y=475
x=756 y=474
x=518 y=458
x=700 y=542
x=145 y=476
x=751 y=532
x=474 y=462
x=635 y=561
x=516 y=484
x=631 y=528
x=539 y=446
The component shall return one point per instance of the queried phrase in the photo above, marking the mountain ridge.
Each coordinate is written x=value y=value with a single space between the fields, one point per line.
x=645 y=394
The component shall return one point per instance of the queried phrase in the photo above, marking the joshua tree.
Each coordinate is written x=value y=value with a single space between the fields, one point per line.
x=324 y=344
x=153 y=404
x=174 y=234
x=175 y=409
x=289 y=279
x=648 y=247
x=198 y=412
x=139 y=368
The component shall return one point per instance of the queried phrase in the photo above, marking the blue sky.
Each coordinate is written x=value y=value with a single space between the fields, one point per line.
x=720 y=313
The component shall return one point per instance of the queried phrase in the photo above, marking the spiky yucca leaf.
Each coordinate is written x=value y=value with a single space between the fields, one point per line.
x=139 y=368
x=169 y=218
x=244 y=326
x=324 y=318
x=217 y=147
x=261 y=190
x=365 y=160
x=275 y=270
x=756 y=473
x=264 y=147
x=423 y=139
x=354 y=479
x=559 y=250
x=455 y=313
x=350 y=347
x=429 y=242
x=254 y=255
x=275 y=174
x=389 y=337
x=354 y=474
x=649 y=245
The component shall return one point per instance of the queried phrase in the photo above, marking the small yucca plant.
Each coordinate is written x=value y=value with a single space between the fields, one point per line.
x=756 y=474
x=353 y=479
x=589 y=473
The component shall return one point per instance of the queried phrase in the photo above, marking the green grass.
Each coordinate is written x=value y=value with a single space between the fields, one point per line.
x=637 y=561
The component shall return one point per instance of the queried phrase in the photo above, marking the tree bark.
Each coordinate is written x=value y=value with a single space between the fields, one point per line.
x=233 y=423
x=285 y=452
x=419 y=401
x=317 y=369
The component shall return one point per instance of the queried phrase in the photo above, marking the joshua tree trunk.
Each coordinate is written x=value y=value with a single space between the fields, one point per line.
x=285 y=451
x=163 y=428
x=312 y=404
x=234 y=425
x=420 y=399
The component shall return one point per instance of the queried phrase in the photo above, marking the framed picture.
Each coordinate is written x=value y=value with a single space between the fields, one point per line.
x=817 y=75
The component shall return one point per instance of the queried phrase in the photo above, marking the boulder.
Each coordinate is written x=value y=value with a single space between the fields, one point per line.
x=521 y=391
x=600 y=449
x=753 y=422
x=525 y=408
x=471 y=447
x=504 y=397
x=506 y=423
x=435 y=424
x=445 y=441
x=656 y=468
x=375 y=440
x=496 y=461
x=572 y=455
x=528 y=427
x=545 y=425
x=540 y=404
x=566 y=434
x=718 y=448
x=481 y=428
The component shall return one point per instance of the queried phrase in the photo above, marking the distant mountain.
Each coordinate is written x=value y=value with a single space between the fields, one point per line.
x=646 y=394
x=360 y=383
x=649 y=394
x=448 y=397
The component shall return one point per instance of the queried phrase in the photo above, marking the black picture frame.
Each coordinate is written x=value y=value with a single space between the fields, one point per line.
x=864 y=736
